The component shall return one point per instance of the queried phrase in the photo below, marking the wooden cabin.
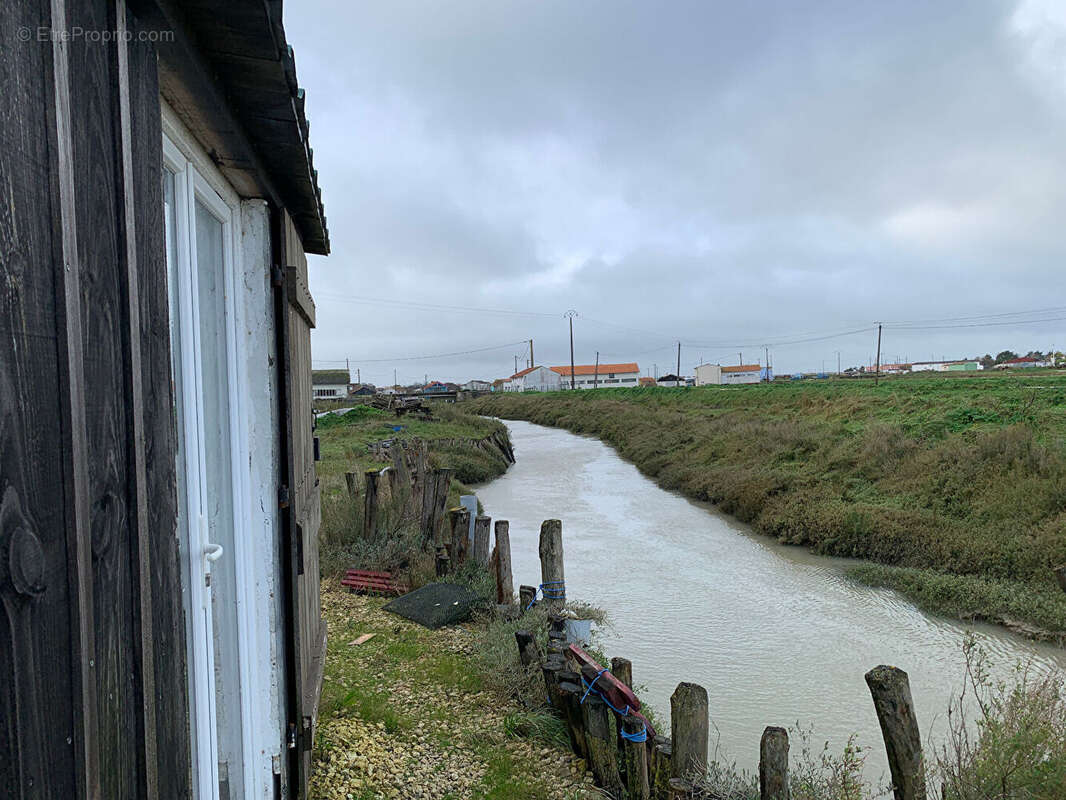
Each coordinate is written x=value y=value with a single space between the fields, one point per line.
x=161 y=632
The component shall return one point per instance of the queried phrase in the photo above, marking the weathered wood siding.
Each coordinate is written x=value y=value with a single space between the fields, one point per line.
x=304 y=493
x=92 y=663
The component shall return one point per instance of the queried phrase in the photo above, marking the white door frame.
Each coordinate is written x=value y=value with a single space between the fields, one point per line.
x=196 y=178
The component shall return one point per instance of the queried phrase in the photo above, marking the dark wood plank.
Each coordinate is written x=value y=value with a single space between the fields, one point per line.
x=168 y=621
x=37 y=678
x=93 y=97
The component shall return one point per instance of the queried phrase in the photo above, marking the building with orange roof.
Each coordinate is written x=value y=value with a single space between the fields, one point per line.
x=592 y=376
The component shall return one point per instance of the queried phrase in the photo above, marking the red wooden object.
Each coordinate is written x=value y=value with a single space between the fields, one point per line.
x=368 y=582
x=617 y=693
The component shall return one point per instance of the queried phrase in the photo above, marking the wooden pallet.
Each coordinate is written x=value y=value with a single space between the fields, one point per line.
x=368 y=582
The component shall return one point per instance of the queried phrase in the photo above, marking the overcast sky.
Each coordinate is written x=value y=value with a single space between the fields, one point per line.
x=724 y=174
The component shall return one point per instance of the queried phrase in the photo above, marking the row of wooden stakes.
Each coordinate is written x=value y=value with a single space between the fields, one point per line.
x=631 y=760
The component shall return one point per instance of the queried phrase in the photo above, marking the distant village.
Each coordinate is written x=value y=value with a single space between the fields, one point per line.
x=336 y=384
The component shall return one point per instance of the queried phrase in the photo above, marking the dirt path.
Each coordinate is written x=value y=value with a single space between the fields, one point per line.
x=404 y=715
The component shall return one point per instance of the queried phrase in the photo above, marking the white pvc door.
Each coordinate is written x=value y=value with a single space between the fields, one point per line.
x=199 y=233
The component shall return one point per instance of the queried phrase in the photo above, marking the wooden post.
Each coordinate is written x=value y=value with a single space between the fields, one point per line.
x=526 y=595
x=551 y=564
x=528 y=652
x=570 y=692
x=599 y=738
x=636 y=760
x=443 y=562
x=773 y=764
x=891 y=693
x=504 y=580
x=551 y=667
x=663 y=759
x=371 y=512
x=458 y=525
x=353 y=484
x=1060 y=573
x=622 y=669
x=689 y=722
x=481 y=540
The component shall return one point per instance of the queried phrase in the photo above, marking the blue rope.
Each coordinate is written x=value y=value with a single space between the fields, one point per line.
x=547 y=591
x=639 y=736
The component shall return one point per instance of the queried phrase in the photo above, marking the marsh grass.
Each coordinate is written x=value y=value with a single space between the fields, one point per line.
x=950 y=476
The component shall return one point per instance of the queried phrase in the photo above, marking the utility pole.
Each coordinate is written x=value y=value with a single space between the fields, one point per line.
x=571 y=314
x=596 y=377
x=394 y=384
x=767 y=349
x=358 y=377
x=838 y=362
x=741 y=357
x=532 y=363
x=877 y=370
x=678 y=373
x=515 y=366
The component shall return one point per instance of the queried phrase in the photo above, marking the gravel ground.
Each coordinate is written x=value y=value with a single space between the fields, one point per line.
x=404 y=716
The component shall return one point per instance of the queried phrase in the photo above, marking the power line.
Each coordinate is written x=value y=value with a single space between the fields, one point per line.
x=418 y=305
x=435 y=355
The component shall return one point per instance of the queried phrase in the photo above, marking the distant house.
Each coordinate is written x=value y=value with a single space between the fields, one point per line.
x=1024 y=363
x=591 y=376
x=954 y=365
x=671 y=380
x=476 y=386
x=498 y=384
x=435 y=387
x=895 y=369
x=361 y=389
x=717 y=375
x=647 y=381
x=533 y=379
x=329 y=384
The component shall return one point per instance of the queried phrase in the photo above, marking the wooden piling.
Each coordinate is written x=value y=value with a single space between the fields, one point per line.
x=528 y=652
x=458 y=527
x=891 y=692
x=773 y=764
x=526 y=595
x=353 y=484
x=481 y=540
x=570 y=693
x=689 y=722
x=663 y=765
x=371 y=511
x=551 y=564
x=622 y=669
x=434 y=501
x=636 y=760
x=504 y=579
x=599 y=739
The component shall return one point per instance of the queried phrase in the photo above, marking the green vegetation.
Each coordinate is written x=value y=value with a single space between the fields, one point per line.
x=345 y=442
x=960 y=480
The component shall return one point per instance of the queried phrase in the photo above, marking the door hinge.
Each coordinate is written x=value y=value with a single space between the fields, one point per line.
x=283 y=496
x=318 y=454
x=277 y=276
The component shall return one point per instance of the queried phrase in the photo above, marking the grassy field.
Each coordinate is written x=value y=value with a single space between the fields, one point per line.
x=954 y=487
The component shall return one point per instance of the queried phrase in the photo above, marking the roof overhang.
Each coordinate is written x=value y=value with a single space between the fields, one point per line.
x=230 y=76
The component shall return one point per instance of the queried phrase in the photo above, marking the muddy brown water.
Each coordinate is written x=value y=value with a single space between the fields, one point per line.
x=777 y=635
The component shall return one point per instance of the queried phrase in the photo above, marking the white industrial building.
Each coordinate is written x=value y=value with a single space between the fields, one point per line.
x=717 y=375
x=533 y=379
x=476 y=386
x=604 y=376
